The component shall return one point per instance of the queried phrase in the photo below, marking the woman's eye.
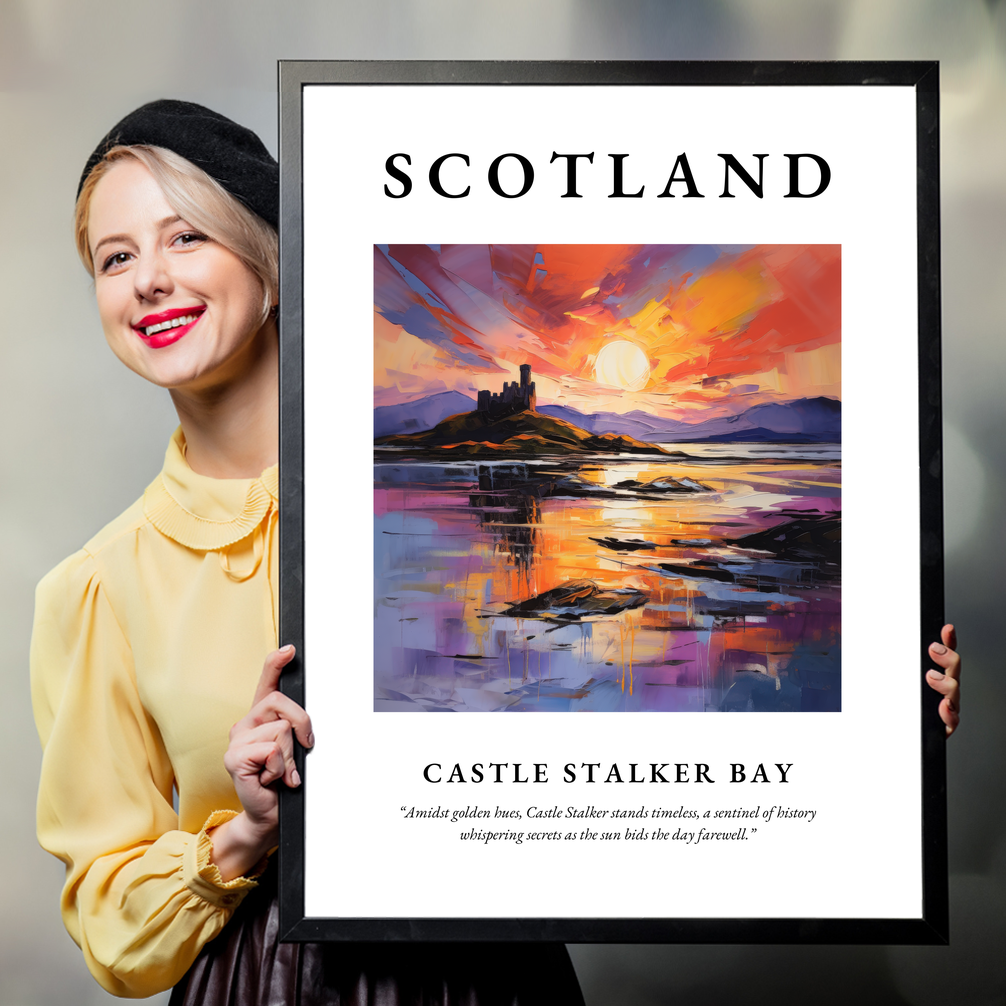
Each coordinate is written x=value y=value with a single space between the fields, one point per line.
x=190 y=238
x=114 y=261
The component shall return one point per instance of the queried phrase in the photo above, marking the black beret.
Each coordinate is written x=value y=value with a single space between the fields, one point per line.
x=231 y=154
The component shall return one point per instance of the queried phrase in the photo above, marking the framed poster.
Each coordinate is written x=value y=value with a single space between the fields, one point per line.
x=585 y=367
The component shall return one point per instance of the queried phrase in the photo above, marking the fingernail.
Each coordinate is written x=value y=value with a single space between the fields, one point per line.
x=295 y=777
x=310 y=740
x=287 y=649
x=936 y=675
x=938 y=648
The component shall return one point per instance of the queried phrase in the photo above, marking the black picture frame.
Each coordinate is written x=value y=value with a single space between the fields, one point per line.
x=931 y=927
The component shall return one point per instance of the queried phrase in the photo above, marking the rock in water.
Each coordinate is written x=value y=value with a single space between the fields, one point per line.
x=627 y=545
x=577 y=599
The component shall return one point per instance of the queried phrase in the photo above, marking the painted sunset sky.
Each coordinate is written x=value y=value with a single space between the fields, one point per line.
x=682 y=332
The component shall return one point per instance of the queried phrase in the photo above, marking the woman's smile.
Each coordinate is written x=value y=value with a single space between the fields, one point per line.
x=162 y=329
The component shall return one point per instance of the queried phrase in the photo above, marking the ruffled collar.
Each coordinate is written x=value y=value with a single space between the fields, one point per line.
x=203 y=513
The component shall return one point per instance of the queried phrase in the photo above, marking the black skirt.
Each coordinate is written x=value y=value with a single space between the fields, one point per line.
x=246 y=965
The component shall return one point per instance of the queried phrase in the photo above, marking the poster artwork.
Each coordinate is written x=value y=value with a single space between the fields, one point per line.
x=607 y=477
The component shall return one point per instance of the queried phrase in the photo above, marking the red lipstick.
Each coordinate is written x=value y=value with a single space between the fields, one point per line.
x=166 y=325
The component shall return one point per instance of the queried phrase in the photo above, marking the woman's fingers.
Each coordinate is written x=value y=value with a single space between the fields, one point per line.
x=271 y=671
x=261 y=749
x=277 y=706
x=949 y=710
x=946 y=681
x=270 y=703
x=274 y=766
x=948 y=659
x=947 y=686
x=260 y=761
x=950 y=716
x=276 y=735
x=949 y=636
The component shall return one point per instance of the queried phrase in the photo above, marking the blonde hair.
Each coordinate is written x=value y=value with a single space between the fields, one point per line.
x=199 y=200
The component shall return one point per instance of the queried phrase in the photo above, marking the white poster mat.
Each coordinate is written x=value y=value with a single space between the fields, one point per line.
x=858 y=770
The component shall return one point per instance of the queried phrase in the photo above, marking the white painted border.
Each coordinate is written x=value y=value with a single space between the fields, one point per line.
x=860 y=769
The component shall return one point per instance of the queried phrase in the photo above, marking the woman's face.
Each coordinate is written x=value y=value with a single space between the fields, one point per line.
x=177 y=308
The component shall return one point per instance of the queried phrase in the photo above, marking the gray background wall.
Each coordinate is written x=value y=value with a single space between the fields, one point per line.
x=81 y=436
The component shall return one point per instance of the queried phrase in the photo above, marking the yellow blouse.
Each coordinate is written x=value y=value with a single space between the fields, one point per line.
x=147 y=647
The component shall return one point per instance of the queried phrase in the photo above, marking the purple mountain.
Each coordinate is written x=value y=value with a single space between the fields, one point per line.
x=424 y=414
x=805 y=420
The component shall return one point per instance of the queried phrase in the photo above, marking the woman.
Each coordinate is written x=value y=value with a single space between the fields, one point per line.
x=149 y=642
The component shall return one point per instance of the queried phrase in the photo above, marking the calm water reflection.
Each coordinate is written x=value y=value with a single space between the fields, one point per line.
x=708 y=583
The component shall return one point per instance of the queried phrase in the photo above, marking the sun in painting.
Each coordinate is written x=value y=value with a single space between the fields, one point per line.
x=622 y=364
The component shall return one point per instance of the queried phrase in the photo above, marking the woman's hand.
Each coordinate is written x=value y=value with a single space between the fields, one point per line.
x=947 y=682
x=260 y=753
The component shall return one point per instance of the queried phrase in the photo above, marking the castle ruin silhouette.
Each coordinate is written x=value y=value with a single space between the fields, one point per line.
x=513 y=398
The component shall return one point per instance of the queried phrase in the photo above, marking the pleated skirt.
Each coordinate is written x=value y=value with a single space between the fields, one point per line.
x=246 y=965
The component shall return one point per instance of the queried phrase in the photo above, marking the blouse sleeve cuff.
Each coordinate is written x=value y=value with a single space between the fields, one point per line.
x=202 y=876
